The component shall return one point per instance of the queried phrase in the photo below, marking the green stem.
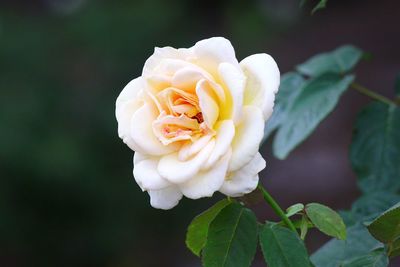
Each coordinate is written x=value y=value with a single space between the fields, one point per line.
x=365 y=91
x=269 y=199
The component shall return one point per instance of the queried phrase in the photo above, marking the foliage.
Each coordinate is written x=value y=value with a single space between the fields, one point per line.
x=326 y=220
x=282 y=247
x=232 y=238
x=305 y=99
x=375 y=150
x=197 y=233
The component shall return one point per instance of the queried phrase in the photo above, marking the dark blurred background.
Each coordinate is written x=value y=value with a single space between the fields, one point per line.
x=67 y=194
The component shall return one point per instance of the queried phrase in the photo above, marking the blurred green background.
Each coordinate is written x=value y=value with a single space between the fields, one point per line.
x=67 y=194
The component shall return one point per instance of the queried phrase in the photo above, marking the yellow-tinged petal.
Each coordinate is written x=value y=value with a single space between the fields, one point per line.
x=208 y=104
x=234 y=81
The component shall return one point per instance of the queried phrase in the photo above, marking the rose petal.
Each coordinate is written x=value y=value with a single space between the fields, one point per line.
x=205 y=183
x=187 y=78
x=209 y=53
x=248 y=136
x=190 y=149
x=157 y=82
x=161 y=53
x=126 y=105
x=263 y=80
x=142 y=132
x=207 y=102
x=146 y=175
x=176 y=171
x=234 y=81
x=244 y=180
x=165 y=198
x=225 y=133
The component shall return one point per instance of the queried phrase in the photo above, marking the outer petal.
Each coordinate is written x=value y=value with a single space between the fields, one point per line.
x=126 y=105
x=176 y=171
x=209 y=53
x=146 y=175
x=249 y=134
x=163 y=53
x=263 y=80
x=244 y=180
x=205 y=183
x=223 y=140
x=166 y=198
x=142 y=132
x=235 y=82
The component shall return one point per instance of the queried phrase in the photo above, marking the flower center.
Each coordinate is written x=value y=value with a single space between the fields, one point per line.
x=199 y=117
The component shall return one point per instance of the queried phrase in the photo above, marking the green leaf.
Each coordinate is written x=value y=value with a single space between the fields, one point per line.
x=376 y=258
x=394 y=248
x=232 y=238
x=289 y=89
x=320 y=5
x=316 y=100
x=334 y=253
x=371 y=205
x=340 y=60
x=196 y=235
x=397 y=86
x=375 y=148
x=294 y=209
x=386 y=228
x=326 y=220
x=304 y=227
x=282 y=247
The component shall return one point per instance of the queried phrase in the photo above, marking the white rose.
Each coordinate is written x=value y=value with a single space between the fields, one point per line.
x=195 y=119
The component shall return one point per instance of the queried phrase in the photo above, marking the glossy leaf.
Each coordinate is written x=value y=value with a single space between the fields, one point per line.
x=196 y=235
x=316 y=100
x=282 y=247
x=232 y=238
x=376 y=258
x=386 y=228
x=340 y=60
x=336 y=252
x=375 y=148
x=326 y=220
x=289 y=89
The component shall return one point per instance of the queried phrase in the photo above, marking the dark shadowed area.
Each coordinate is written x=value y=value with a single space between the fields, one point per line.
x=67 y=194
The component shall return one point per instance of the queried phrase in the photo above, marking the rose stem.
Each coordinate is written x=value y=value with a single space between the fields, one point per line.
x=269 y=199
x=365 y=91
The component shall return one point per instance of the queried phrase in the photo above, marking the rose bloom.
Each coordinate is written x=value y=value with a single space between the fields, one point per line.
x=195 y=119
